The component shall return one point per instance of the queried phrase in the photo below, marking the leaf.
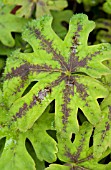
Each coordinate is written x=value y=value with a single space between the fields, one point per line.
x=102 y=135
x=104 y=30
x=10 y=23
x=42 y=6
x=60 y=22
x=107 y=7
x=106 y=79
x=77 y=155
x=64 y=70
x=15 y=155
x=44 y=145
x=38 y=164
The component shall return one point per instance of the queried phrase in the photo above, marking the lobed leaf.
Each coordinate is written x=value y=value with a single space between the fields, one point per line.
x=77 y=154
x=9 y=23
x=44 y=145
x=66 y=71
x=104 y=27
x=107 y=7
x=15 y=155
x=26 y=7
x=60 y=22
x=103 y=129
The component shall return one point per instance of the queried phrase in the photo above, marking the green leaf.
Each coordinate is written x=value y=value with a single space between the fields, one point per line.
x=102 y=135
x=10 y=23
x=60 y=22
x=106 y=79
x=104 y=27
x=42 y=6
x=44 y=145
x=64 y=70
x=107 y=6
x=15 y=155
x=38 y=164
x=77 y=154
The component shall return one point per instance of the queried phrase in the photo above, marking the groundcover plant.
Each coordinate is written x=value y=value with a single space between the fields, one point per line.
x=55 y=86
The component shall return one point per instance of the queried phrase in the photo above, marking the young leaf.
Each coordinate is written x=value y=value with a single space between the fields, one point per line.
x=10 y=23
x=42 y=6
x=102 y=134
x=64 y=70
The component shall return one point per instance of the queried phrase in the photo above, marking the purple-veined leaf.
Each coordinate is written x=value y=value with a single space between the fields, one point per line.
x=78 y=155
x=66 y=71
x=102 y=134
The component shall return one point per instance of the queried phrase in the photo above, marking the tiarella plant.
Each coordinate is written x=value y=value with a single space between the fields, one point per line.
x=55 y=88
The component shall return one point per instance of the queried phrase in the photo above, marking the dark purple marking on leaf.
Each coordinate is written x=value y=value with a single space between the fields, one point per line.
x=47 y=45
x=79 y=28
x=41 y=96
x=104 y=132
x=24 y=69
x=74 y=64
x=81 y=89
x=75 y=157
x=86 y=159
x=107 y=126
x=34 y=101
x=75 y=41
x=68 y=92
x=21 y=112
x=58 y=81
x=18 y=89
